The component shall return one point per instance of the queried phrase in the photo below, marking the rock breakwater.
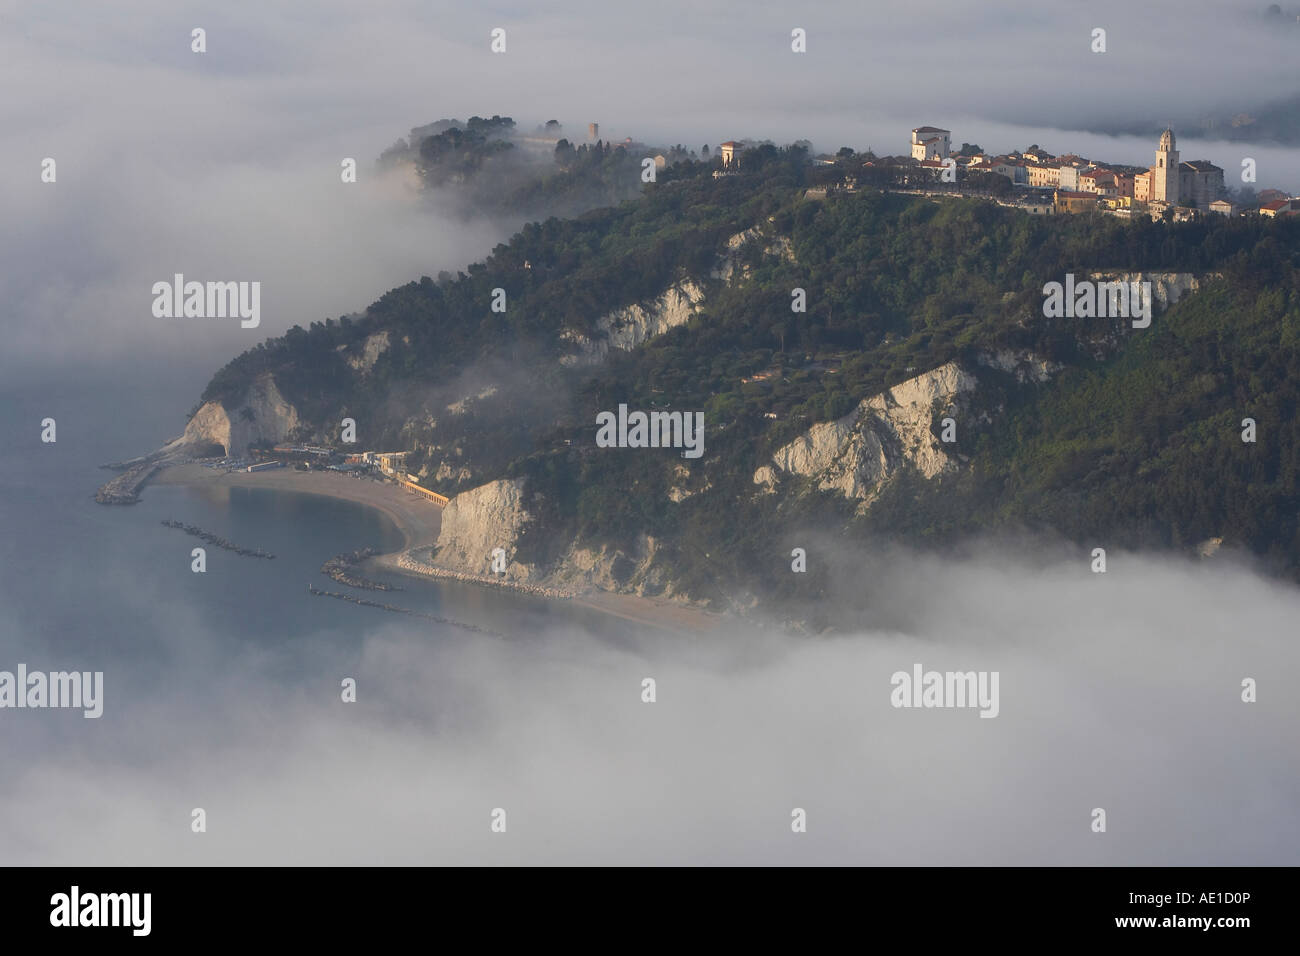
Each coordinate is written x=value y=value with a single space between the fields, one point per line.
x=217 y=541
x=340 y=568
x=364 y=602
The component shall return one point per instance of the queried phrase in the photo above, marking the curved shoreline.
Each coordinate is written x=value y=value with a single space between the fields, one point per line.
x=419 y=521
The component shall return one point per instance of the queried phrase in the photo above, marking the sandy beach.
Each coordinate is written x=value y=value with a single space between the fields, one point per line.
x=419 y=521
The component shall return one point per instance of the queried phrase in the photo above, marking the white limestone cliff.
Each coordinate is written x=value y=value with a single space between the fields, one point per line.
x=858 y=454
x=1166 y=287
x=729 y=267
x=364 y=359
x=477 y=521
x=626 y=328
x=1026 y=366
x=263 y=415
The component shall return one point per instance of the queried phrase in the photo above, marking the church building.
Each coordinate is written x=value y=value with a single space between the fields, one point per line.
x=1170 y=182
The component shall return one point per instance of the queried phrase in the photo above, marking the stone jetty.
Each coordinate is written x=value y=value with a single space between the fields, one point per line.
x=318 y=592
x=125 y=488
x=216 y=541
x=340 y=568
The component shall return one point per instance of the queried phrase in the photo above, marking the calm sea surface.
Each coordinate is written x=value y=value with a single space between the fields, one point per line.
x=92 y=587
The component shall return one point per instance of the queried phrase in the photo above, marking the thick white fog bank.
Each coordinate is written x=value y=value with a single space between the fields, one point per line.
x=80 y=286
x=1120 y=691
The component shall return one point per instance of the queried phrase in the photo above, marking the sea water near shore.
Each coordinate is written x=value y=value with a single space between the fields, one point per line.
x=82 y=585
x=219 y=680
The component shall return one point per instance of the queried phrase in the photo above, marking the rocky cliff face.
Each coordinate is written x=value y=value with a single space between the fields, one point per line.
x=492 y=516
x=479 y=520
x=363 y=359
x=1166 y=287
x=857 y=454
x=611 y=569
x=262 y=416
x=729 y=267
x=1023 y=364
x=626 y=328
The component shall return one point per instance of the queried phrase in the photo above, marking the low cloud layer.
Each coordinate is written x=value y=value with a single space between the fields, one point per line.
x=1120 y=691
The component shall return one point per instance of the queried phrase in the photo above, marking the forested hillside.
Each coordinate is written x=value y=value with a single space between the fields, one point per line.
x=1133 y=438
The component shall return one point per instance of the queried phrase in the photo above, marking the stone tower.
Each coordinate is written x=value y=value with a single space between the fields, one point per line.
x=1164 y=174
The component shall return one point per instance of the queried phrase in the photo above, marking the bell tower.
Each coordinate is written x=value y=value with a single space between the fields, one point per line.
x=1164 y=174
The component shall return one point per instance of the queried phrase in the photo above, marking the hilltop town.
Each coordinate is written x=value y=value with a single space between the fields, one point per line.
x=545 y=173
x=1041 y=183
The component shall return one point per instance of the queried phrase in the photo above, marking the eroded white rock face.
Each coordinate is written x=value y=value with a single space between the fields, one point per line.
x=1026 y=366
x=1166 y=287
x=374 y=346
x=447 y=472
x=728 y=267
x=479 y=520
x=857 y=454
x=626 y=328
x=610 y=569
x=262 y=416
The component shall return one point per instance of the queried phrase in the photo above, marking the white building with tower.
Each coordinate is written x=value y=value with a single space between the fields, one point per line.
x=930 y=143
x=1170 y=182
x=1164 y=174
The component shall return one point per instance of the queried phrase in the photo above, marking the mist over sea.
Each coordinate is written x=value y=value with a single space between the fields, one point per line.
x=222 y=691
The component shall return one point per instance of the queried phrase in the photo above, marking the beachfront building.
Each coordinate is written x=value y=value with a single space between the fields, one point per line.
x=389 y=462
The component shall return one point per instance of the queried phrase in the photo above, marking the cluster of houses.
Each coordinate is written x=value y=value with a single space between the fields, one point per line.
x=1072 y=184
x=322 y=458
x=390 y=464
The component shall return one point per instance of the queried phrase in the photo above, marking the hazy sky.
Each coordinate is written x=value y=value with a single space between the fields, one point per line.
x=225 y=165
